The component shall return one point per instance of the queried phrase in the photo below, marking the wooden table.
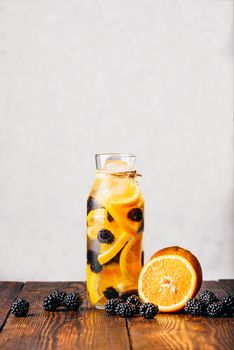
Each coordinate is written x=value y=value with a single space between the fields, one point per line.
x=94 y=329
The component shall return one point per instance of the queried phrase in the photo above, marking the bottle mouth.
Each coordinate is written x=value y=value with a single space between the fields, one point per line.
x=115 y=162
x=115 y=155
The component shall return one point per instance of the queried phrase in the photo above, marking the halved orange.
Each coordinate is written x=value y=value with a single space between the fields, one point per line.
x=171 y=277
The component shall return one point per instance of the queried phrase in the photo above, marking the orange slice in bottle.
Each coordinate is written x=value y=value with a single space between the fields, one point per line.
x=118 y=191
x=125 y=193
x=103 y=258
x=171 y=277
x=96 y=216
x=120 y=214
x=109 y=276
x=97 y=219
x=130 y=259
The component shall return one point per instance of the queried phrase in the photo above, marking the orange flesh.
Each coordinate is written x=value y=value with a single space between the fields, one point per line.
x=166 y=291
x=171 y=277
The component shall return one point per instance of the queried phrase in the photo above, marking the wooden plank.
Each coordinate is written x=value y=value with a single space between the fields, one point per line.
x=86 y=329
x=208 y=332
x=227 y=285
x=215 y=287
x=8 y=293
x=178 y=331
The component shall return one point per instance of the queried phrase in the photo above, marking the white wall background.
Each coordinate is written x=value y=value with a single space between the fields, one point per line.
x=79 y=77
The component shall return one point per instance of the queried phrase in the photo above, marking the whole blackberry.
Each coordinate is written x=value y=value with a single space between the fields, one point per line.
x=135 y=214
x=228 y=305
x=106 y=236
x=95 y=266
x=207 y=297
x=92 y=259
x=92 y=204
x=91 y=255
x=60 y=296
x=134 y=299
x=111 y=293
x=194 y=307
x=148 y=310
x=128 y=293
x=215 y=309
x=20 y=308
x=50 y=302
x=111 y=305
x=125 y=310
x=73 y=301
x=109 y=217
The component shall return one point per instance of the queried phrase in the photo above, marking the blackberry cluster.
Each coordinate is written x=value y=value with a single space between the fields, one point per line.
x=111 y=305
x=71 y=301
x=128 y=293
x=105 y=236
x=92 y=259
x=148 y=310
x=129 y=305
x=50 y=302
x=209 y=305
x=125 y=310
x=194 y=307
x=135 y=214
x=207 y=297
x=20 y=308
x=60 y=296
x=92 y=204
x=215 y=309
x=111 y=293
x=228 y=305
x=134 y=300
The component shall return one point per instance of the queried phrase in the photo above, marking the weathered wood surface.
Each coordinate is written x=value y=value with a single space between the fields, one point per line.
x=86 y=329
x=8 y=293
x=94 y=329
x=180 y=331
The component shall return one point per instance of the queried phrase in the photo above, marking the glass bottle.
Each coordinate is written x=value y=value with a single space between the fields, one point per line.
x=115 y=222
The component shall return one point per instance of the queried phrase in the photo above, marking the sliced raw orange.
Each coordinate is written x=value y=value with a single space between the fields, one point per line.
x=171 y=277
x=109 y=276
x=118 y=191
x=97 y=219
x=120 y=214
x=130 y=259
x=103 y=258
x=96 y=216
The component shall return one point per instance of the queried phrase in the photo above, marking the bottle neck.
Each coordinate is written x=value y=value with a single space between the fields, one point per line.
x=115 y=162
x=102 y=174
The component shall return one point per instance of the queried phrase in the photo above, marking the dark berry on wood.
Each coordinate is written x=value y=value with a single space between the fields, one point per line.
x=20 y=308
